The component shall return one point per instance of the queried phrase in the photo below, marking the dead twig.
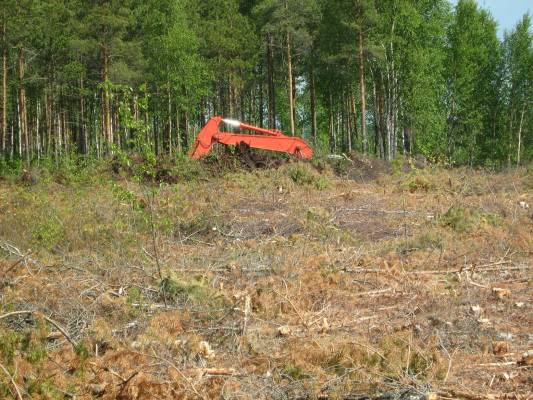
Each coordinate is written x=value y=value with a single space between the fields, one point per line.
x=13 y=266
x=175 y=368
x=288 y=300
x=472 y=267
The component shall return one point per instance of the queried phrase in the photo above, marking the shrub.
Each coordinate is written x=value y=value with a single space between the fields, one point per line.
x=463 y=218
x=425 y=241
x=174 y=288
x=420 y=184
x=399 y=164
x=341 y=166
x=303 y=174
x=293 y=371
x=49 y=232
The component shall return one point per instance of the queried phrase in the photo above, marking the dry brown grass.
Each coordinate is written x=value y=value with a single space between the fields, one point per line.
x=353 y=288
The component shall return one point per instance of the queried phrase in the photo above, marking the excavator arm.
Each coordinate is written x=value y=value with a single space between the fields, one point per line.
x=265 y=139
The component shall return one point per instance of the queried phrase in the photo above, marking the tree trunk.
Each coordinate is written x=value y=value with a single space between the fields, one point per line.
x=381 y=116
x=106 y=106
x=332 y=139
x=47 y=122
x=348 y=121
x=59 y=142
x=231 y=96
x=520 y=135
x=186 y=131
x=394 y=113
x=38 y=144
x=66 y=132
x=290 y=88
x=271 y=86
x=393 y=99
x=19 y=130
x=4 y=90
x=178 y=133
x=169 y=120
x=202 y=111
x=354 y=113
x=389 y=112
x=313 y=106
x=363 y=91
x=261 y=99
x=22 y=107
x=407 y=138
x=376 y=118
x=82 y=140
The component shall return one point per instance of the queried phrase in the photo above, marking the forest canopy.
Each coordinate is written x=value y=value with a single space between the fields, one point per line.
x=387 y=77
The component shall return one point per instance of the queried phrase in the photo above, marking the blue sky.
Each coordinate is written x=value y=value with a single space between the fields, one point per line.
x=506 y=12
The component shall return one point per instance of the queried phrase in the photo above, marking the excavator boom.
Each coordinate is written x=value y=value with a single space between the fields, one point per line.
x=265 y=139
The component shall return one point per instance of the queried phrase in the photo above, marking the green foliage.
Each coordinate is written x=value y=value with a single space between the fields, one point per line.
x=429 y=241
x=473 y=59
x=303 y=174
x=9 y=343
x=135 y=295
x=45 y=389
x=322 y=183
x=420 y=183
x=123 y=78
x=82 y=352
x=465 y=218
x=398 y=165
x=294 y=372
x=49 y=232
x=188 y=170
x=174 y=288
x=124 y=195
x=341 y=166
x=31 y=347
x=33 y=350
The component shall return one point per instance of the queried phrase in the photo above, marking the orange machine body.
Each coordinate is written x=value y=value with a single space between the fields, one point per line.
x=265 y=139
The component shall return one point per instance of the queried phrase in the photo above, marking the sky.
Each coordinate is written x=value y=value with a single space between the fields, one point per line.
x=506 y=12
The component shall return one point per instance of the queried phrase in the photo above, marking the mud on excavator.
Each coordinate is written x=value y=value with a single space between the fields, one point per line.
x=266 y=139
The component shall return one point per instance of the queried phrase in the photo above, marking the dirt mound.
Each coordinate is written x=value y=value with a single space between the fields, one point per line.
x=29 y=177
x=256 y=159
x=359 y=167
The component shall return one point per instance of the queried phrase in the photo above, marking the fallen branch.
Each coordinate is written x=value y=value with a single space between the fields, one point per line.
x=13 y=266
x=373 y=292
x=19 y=395
x=48 y=319
x=192 y=388
x=456 y=394
x=219 y=371
x=471 y=268
x=502 y=364
x=125 y=382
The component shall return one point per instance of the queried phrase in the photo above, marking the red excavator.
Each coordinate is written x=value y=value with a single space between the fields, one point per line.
x=266 y=139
